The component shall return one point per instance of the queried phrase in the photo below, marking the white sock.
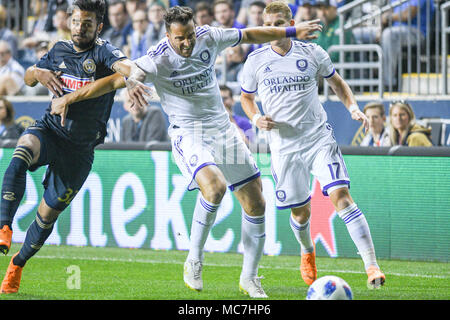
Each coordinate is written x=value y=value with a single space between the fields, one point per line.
x=359 y=231
x=253 y=239
x=302 y=233
x=204 y=216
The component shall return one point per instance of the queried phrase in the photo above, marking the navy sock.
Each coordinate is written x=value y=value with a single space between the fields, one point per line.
x=37 y=233
x=14 y=182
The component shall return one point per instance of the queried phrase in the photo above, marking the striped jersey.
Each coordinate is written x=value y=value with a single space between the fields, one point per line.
x=188 y=87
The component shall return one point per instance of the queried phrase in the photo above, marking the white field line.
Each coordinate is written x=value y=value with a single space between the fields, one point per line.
x=413 y=275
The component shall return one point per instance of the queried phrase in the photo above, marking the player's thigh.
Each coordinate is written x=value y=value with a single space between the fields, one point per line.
x=193 y=157
x=292 y=179
x=329 y=168
x=251 y=198
x=235 y=160
x=65 y=177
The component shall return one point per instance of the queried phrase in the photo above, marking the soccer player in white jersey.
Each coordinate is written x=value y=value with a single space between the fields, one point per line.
x=284 y=75
x=207 y=148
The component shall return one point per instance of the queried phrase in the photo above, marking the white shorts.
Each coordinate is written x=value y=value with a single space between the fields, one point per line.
x=292 y=174
x=224 y=149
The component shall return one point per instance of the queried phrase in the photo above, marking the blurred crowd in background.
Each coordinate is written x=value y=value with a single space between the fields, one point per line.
x=136 y=25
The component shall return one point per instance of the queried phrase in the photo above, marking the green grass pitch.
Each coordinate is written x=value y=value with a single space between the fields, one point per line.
x=137 y=274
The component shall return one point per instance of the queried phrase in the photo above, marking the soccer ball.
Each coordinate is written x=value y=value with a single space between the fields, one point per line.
x=329 y=288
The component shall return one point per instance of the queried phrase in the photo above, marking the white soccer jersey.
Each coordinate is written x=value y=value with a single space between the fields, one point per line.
x=287 y=86
x=188 y=87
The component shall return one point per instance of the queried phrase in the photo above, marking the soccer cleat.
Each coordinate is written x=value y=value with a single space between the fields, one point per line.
x=252 y=287
x=11 y=282
x=308 y=267
x=375 y=278
x=193 y=275
x=5 y=239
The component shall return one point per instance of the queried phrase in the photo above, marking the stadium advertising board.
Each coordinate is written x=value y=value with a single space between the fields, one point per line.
x=138 y=199
x=346 y=130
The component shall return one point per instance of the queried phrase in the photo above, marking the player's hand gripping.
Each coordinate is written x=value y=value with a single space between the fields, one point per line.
x=305 y=29
x=51 y=80
x=138 y=92
x=60 y=107
x=265 y=123
x=360 y=116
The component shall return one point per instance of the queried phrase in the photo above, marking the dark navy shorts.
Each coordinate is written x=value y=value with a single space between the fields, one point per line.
x=68 y=166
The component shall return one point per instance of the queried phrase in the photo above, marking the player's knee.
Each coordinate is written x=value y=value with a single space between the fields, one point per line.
x=301 y=214
x=341 y=198
x=215 y=190
x=49 y=218
x=46 y=213
x=256 y=207
x=31 y=142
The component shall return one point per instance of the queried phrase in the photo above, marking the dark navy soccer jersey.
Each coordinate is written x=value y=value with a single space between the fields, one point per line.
x=86 y=120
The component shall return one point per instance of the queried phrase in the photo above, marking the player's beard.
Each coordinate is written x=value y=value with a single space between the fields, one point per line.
x=84 y=44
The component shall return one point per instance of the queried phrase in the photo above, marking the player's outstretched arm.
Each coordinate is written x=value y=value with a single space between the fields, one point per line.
x=302 y=31
x=252 y=111
x=60 y=106
x=345 y=94
x=47 y=78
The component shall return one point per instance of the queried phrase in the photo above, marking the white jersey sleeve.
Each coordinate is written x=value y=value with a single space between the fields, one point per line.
x=249 y=82
x=229 y=37
x=147 y=64
x=326 y=68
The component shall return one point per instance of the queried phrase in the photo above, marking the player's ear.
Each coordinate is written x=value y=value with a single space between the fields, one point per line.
x=292 y=22
x=167 y=32
x=99 y=28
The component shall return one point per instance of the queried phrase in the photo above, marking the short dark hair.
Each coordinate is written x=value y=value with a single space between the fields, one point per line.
x=96 y=6
x=228 y=3
x=375 y=105
x=116 y=2
x=177 y=14
x=258 y=3
x=202 y=6
x=224 y=87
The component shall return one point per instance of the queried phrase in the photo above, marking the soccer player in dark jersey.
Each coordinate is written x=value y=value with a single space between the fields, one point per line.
x=67 y=146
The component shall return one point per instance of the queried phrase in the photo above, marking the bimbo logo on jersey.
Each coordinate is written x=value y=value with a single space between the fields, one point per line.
x=72 y=83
